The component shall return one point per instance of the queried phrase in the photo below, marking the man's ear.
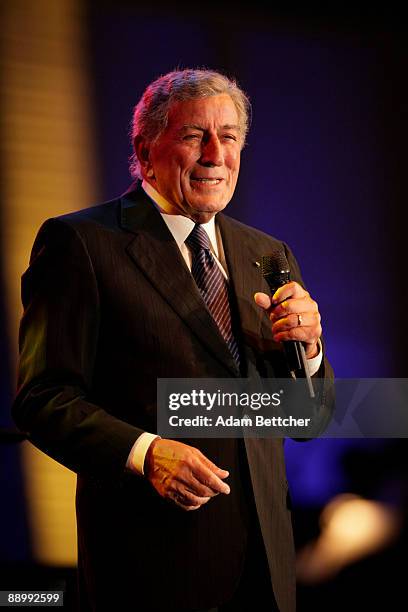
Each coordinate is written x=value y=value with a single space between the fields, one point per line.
x=142 y=151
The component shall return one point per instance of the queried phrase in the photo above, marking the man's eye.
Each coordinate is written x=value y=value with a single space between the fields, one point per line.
x=192 y=137
x=229 y=137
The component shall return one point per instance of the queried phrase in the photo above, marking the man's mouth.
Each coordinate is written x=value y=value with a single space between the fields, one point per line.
x=207 y=181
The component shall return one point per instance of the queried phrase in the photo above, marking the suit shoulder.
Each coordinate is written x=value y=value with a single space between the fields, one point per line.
x=252 y=233
x=105 y=214
x=99 y=218
x=82 y=226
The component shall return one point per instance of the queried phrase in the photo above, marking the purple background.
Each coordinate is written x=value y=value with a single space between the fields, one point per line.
x=320 y=170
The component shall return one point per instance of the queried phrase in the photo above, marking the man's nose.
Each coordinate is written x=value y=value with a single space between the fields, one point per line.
x=211 y=152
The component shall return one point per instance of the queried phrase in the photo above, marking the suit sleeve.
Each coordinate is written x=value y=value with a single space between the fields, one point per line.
x=58 y=343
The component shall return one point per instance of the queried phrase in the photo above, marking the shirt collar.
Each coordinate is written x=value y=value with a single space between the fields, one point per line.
x=179 y=226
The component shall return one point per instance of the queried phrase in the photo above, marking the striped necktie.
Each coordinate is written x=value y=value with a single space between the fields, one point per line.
x=212 y=285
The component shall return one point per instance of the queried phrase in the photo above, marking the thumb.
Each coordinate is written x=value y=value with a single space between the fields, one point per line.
x=263 y=300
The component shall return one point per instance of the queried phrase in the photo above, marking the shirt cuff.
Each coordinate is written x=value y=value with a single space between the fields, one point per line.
x=315 y=362
x=135 y=460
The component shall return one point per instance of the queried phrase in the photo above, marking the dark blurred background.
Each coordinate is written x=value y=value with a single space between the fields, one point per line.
x=323 y=170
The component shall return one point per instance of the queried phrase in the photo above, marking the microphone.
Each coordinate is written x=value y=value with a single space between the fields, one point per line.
x=275 y=270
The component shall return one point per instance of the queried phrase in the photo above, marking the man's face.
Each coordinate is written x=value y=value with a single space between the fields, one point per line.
x=195 y=161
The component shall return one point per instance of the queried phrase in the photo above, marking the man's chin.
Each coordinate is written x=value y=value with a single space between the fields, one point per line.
x=203 y=214
x=202 y=217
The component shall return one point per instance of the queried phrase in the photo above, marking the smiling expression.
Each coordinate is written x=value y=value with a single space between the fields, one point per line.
x=194 y=163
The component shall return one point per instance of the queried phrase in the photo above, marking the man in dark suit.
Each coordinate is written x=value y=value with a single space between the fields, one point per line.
x=116 y=297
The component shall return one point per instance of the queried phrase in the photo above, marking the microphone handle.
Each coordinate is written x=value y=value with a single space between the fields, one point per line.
x=294 y=350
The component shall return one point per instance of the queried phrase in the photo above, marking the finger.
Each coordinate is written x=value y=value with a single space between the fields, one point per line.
x=186 y=479
x=197 y=488
x=290 y=290
x=187 y=500
x=207 y=478
x=304 y=319
x=295 y=306
x=262 y=300
x=310 y=335
x=213 y=467
x=183 y=506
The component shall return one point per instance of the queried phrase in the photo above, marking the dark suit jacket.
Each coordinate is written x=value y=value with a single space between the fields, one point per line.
x=110 y=306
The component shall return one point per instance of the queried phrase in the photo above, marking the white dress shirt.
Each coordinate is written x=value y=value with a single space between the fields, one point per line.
x=180 y=228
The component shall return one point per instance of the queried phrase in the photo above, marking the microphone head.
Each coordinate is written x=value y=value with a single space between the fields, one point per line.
x=275 y=269
x=275 y=263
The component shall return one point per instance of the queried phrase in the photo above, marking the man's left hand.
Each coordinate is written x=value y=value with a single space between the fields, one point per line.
x=294 y=316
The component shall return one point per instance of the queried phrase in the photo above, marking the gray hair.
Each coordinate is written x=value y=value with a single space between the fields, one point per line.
x=150 y=115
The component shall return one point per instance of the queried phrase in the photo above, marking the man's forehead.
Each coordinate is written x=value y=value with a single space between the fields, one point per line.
x=199 y=112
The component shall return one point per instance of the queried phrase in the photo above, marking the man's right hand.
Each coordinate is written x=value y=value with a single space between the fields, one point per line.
x=183 y=474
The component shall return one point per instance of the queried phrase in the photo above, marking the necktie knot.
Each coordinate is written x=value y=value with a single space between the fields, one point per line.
x=198 y=239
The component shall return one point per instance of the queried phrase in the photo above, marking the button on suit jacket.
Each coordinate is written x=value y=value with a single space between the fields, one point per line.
x=110 y=306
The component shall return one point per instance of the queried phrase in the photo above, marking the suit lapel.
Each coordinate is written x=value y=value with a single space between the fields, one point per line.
x=155 y=252
x=245 y=276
